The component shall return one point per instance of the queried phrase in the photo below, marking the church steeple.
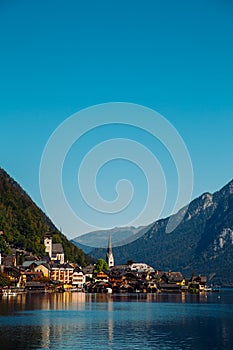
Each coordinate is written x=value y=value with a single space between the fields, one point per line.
x=48 y=243
x=109 y=255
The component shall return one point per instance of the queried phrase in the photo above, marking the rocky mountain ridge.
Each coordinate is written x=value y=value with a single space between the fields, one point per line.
x=202 y=243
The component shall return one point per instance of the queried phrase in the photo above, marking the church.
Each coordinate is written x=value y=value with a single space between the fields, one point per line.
x=54 y=250
x=109 y=255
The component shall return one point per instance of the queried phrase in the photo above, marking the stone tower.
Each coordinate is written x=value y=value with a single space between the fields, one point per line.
x=109 y=255
x=48 y=243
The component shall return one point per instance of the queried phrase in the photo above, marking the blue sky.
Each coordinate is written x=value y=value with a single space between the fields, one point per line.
x=58 y=57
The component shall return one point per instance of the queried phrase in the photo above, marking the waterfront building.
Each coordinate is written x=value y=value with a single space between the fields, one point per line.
x=62 y=273
x=44 y=268
x=88 y=271
x=79 y=278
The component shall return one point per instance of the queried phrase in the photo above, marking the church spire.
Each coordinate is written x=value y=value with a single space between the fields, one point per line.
x=110 y=244
x=109 y=255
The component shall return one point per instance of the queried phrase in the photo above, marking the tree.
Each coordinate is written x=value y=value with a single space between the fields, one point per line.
x=100 y=266
x=24 y=224
x=4 y=280
x=3 y=246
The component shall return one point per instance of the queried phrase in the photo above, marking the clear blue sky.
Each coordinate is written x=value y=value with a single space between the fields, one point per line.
x=58 y=57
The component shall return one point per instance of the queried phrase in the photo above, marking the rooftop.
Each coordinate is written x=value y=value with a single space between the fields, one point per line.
x=57 y=248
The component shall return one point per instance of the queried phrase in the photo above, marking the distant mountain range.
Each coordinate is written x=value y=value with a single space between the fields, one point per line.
x=23 y=225
x=99 y=239
x=202 y=243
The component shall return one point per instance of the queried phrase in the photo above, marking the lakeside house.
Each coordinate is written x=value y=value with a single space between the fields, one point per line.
x=79 y=278
x=51 y=272
x=127 y=279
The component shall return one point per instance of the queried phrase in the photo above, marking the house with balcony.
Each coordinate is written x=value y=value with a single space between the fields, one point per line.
x=62 y=273
x=79 y=278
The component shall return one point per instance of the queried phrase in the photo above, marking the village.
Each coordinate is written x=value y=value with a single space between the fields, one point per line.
x=52 y=273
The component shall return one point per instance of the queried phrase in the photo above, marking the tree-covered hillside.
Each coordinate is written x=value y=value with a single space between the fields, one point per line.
x=24 y=224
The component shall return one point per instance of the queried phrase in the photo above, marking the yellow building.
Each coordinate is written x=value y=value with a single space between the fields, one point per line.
x=44 y=268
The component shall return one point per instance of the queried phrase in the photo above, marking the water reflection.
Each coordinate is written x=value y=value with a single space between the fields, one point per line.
x=102 y=321
x=67 y=300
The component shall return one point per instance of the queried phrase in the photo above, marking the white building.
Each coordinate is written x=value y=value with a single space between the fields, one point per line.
x=141 y=267
x=48 y=244
x=54 y=250
x=109 y=255
x=79 y=278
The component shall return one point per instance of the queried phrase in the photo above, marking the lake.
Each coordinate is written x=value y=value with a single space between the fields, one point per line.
x=100 y=321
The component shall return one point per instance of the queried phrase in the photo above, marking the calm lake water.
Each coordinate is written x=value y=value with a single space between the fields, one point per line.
x=91 y=321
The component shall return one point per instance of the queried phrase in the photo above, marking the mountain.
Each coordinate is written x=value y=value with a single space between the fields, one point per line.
x=23 y=223
x=202 y=243
x=99 y=239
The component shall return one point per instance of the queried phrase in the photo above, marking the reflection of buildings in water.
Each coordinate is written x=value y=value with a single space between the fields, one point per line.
x=22 y=298
x=45 y=303
x=225 y=333
x=56 y=333
x=183 y=298
x=89 y=297
x=110 y=305
x=102 y=297
x=68 y=300
x=78 y=299
x=67 y=305
x=45 y=337
x=110 y=330
x=110 y=320
x=151 y=297
x=65 y=300
x=203 y=297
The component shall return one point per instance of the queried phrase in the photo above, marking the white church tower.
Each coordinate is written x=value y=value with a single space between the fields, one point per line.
x=48 y=244
x=109 y=255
